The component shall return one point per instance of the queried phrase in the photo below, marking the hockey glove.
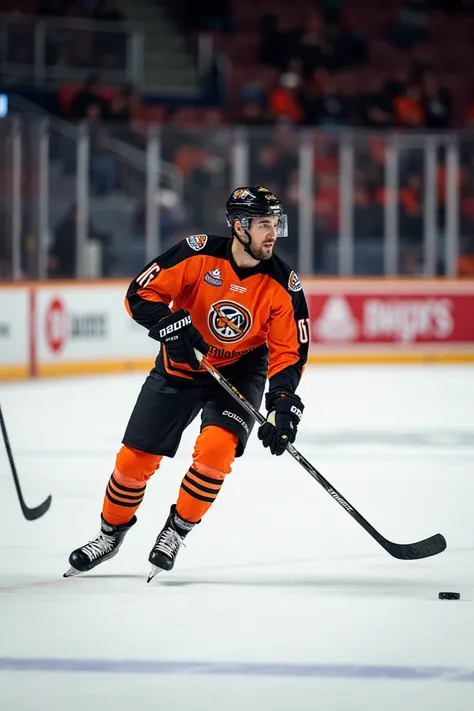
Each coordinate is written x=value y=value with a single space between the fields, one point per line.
x=177 y=333
x=284 y=415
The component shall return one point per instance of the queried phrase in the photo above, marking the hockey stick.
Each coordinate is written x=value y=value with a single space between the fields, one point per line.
x=29 y=514
x=404 y=551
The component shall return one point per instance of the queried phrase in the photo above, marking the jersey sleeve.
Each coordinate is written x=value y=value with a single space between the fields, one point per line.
x=150 y=293
x=288 y=340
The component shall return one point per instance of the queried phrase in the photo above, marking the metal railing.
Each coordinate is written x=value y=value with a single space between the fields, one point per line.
x=359 y=203
x=53 y=50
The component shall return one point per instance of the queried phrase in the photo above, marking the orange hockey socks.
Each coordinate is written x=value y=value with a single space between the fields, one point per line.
x=126 y=486
x=213 y=455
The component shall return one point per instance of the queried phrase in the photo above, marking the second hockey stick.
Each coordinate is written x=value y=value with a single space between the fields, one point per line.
x=29 y=514
x=403 y=551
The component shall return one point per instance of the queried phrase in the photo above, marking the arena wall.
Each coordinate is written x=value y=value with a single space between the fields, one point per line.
x=74 y=328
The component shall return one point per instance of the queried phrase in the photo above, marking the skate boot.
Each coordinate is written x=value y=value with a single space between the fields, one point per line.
x=169 y=541
x=103 y=547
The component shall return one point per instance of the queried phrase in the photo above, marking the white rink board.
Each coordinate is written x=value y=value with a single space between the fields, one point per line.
x=87 y=323
x=14 y=327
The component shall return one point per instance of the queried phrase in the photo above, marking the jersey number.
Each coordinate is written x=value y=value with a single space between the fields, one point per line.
x=148 y=275
x=303 y=330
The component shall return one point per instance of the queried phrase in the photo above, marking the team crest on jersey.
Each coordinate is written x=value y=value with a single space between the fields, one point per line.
x=213 y=277
x=197 y=242
x=294 y=283
x=241 y=194
x=228 y=321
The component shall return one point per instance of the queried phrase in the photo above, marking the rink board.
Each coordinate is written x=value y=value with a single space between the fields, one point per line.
x=76 y=328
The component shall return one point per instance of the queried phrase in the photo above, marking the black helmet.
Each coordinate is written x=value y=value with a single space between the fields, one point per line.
x=255 y=201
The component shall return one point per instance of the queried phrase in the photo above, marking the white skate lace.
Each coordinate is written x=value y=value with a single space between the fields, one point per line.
x=101 y=545
x=168 y=542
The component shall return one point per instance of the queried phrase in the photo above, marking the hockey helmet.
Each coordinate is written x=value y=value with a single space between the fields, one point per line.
x=256 y=201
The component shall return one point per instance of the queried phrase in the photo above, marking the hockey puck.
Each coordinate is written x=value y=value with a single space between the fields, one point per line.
x=449 y=596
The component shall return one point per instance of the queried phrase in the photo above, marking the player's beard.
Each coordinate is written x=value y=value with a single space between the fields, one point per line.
x=263 y=252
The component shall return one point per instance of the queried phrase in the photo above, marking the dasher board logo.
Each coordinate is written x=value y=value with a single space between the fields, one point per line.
x=62 y=325
x=336 y=321
x=228 y=321
x=213 y=277
x=197 y=242
x=294 y=283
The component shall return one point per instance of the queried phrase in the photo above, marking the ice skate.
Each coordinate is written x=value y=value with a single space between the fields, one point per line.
x=103 y=547
x=169 y=541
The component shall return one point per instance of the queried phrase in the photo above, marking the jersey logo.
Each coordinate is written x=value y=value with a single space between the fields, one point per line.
x=294 y=283
x=213 y=277
x=239 y=289
x=228 y=321
x=197 y=242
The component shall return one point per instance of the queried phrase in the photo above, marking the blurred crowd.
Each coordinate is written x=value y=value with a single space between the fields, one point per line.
x=313 y=69
x=312 y=86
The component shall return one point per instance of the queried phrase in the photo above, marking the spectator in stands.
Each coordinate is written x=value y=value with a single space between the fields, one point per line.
x=284 y=100
x=396 y=84
x=332 y=109
x=375 y=106
x=436 y=103
x=88 y=95
x=121 y=112
x=408 y=109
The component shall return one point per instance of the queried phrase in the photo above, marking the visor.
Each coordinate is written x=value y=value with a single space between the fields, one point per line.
x=281 y=226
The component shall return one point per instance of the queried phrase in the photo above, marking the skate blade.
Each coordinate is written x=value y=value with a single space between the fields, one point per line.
x=72 y=571
x=154 y=571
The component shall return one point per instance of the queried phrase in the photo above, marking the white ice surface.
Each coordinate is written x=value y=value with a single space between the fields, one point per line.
x=276 y=574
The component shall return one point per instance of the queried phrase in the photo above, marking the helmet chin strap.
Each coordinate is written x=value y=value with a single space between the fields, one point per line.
x=246 y=245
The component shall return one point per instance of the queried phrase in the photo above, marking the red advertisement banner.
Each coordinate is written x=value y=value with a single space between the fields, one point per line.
x=341 y=317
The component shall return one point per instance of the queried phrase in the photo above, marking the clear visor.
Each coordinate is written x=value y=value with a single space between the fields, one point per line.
x=281 y=226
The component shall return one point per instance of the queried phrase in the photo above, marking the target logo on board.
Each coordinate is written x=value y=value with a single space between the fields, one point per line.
x=56 y=325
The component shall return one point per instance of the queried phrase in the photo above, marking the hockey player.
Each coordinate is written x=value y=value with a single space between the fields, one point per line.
x=239 y=304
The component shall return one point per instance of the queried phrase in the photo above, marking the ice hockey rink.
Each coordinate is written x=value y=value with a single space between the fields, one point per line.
x=280 y=601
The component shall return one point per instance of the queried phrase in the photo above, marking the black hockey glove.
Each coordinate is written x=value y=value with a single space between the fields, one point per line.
x=177 y=333
x=284 y=415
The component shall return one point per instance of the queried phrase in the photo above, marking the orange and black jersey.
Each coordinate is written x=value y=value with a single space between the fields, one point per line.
x=236 y=310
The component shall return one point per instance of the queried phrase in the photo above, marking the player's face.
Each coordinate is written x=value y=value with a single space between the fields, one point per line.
x=263 y=233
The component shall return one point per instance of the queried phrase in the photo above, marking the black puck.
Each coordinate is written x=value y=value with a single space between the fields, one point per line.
x=449 y=596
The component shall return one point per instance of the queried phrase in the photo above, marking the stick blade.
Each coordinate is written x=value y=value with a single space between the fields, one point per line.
x=414 y=551
x=33 y=514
